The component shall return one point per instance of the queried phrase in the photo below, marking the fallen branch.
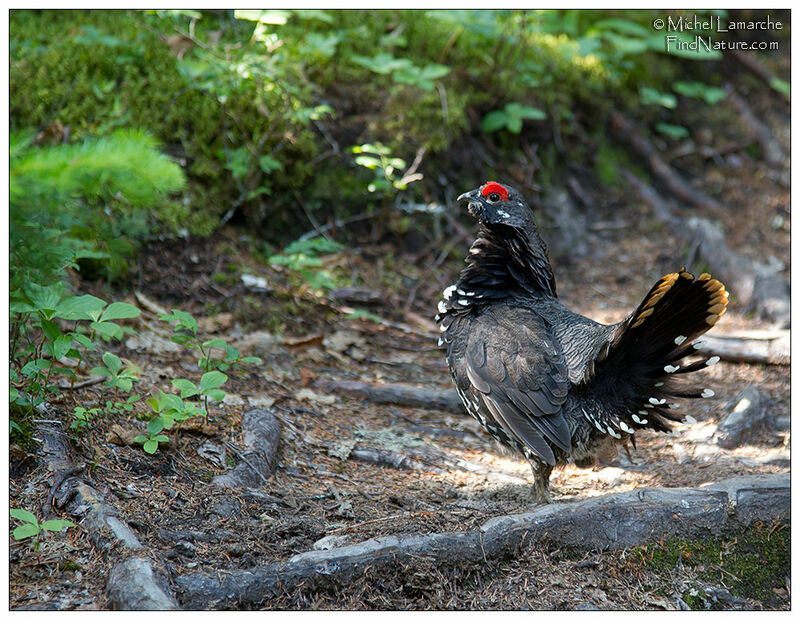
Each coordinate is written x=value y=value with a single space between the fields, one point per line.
x=759 y=287
x=262 y=434
x=773 y=348
x=598 y=523
x=626 y=131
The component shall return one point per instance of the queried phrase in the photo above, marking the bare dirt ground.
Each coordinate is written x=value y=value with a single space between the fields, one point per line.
x=319 y=489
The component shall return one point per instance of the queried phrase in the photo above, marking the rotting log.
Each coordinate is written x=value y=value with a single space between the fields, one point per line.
x=598 y=523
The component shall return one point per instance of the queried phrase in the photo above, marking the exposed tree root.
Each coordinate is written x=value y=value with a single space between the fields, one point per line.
x=398 y=394
x=598 y=523
x=132 y=582
x=626 y=131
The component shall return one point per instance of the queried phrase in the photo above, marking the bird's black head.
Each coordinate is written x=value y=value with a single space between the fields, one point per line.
x=493 y=203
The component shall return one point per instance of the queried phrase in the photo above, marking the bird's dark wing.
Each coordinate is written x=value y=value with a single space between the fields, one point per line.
x=515 y=363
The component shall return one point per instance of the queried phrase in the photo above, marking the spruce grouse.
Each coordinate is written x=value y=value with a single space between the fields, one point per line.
x=550 y=383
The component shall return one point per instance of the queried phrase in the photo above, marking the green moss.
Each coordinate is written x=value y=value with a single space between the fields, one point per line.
x=751 y=564
x=23 y=417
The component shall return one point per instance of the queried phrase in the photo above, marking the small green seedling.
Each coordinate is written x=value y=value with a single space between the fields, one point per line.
x=83 y=418
x=232 y=357
x=118 y=377
x=31 y=527
x=208 y=388
x=154 y=437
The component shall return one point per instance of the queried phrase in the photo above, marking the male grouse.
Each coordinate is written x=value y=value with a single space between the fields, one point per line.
x=550 y=383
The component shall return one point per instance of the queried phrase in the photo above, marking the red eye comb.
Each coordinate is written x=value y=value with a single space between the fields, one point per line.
x=493 y=187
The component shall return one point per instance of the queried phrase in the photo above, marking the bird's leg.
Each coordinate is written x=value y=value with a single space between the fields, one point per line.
x=540 y=490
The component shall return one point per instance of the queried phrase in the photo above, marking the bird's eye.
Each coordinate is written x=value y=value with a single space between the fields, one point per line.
x=494 y=197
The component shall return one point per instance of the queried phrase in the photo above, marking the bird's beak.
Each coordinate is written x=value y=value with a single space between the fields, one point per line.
x=471 y=196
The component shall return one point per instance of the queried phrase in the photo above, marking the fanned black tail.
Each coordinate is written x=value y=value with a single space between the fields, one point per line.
x=634 y=376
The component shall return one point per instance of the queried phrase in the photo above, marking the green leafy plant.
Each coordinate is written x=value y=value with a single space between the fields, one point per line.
x=511 y=117
x=232 y=359
x=699 y=90
x=651 y=96
x=403 y=70
x=71 y=203
x=31 y=527
x=83 y=418
x=676 y=132
x=303 y=257
x=37 y=343
x=154 y=437
x=378 y=157
x=209 y=386
x=118 y=377
x=170 y=408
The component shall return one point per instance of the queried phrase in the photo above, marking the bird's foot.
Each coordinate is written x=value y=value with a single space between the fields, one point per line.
x=540 y=492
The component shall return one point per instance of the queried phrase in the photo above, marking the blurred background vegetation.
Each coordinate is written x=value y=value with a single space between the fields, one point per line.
x=132 y=125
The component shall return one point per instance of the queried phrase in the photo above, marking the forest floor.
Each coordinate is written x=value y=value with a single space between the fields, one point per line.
x=320 y=489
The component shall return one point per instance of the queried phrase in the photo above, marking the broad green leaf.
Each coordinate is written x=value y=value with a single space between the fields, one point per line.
x=26 y=531
x=251 y=360
x=211 y=380
x=782 y=86
x=21 y=307
x=525 y=111
x=514 y=124
x=650 y=96
x=627 y=46
x=140 y=438
x=217 y=343
x=494 y=121
x=217 y=395
x=120 y=310
x=698 y=90
x=154 y=426
x=61 y=346
x=112 y=362
x=56 y=525
x=274 y=17
x=44 y=297
x=101 y=371
x=107 y=330
x=172 y=402
x=150 y=446
x=183 y=318
x=161 y=438
x=269 y=164
x=82 y=340
x=80 y=308
x=34 y=366
x=50 y=329
x=676 y=132
x=186 y=387
x=623 y=26
x=24 y=515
